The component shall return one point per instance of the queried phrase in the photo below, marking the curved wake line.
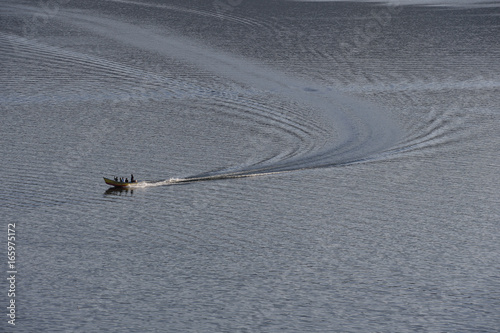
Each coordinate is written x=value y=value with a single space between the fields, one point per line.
x=363 y=128
x=135 y=83
x=359 y=130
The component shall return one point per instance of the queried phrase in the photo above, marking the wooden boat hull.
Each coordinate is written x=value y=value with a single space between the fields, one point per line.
x=111 y=182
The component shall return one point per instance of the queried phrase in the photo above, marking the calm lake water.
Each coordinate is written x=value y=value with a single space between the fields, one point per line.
x=303 y=166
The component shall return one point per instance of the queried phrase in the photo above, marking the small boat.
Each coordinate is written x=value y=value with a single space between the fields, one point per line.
x=119 y=184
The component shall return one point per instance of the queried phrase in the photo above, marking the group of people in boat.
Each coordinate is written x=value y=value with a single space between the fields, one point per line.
x=125 y=180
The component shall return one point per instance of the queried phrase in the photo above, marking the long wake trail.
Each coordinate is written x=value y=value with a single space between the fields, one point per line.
x=359 y=130
x=266 y=171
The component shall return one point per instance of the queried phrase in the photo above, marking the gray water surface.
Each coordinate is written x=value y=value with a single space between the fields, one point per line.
x=304 y=167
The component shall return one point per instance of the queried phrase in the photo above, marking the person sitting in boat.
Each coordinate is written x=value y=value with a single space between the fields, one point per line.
x=116 y=179
x=126 y=180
